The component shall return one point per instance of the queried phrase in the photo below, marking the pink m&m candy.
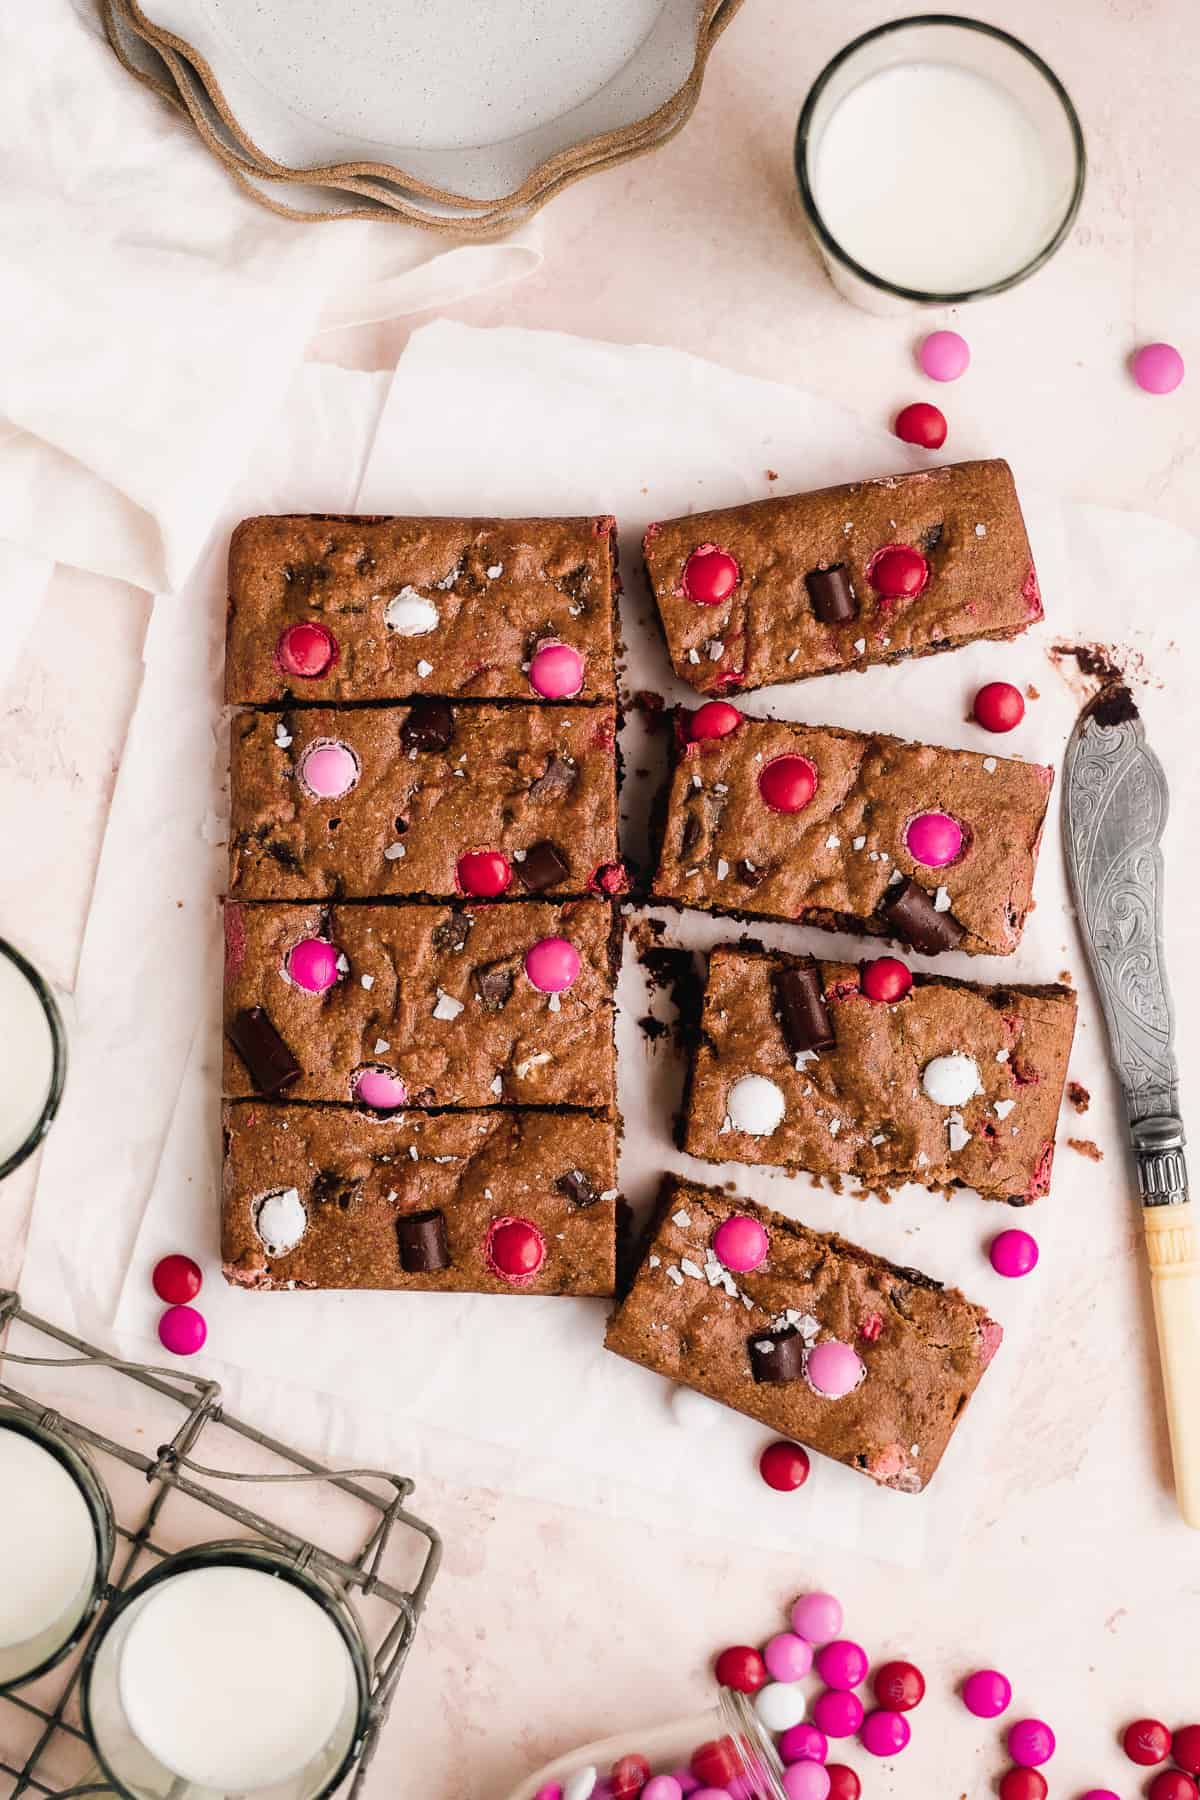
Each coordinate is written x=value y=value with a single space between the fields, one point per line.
x=312 y=965
x=885 y=1733
x=788 y=783
x=177 y=1279
x=833 y=1370
x=551 y=1790
x=306 y=650
x=552 y=964
x=1157 y=368
x=662 y=1787
x=483 y=874
x=1030 y=1743
x=515 y=1249
x=715 y=719
x=1013 y=1253
x=944 y=356
x=933 y=838
x=806 y=1781
x=788 y=1658
x=886 y=980
x=328 y=769
x=838 y=1714
x=817 y=1617
x=1101 y=1794
x=898 y=572
x=556 y=670
x=379 y=1089
x=740 y=1243
x=182 y=1330
x=710 y=575
x=986 y=1693
x=842 y=1664
x=803 y=1742
x=998 y=706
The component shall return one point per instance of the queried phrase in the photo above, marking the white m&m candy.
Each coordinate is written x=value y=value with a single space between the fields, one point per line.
x=755 y=1105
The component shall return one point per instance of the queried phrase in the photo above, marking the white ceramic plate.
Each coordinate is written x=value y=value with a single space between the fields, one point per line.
x=469 y=98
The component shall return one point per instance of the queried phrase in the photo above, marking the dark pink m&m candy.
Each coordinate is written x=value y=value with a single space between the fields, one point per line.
x=998 y=706
x=837 y=1714
x=886 y=980
x=934 y=839
x=788 y=783
x=484 y=873
x=556 y=670
x=885 y=1733
x=515 y=1249
x=710 y=575
x=921 y=424
x=842 y=1664
x=1013 y=1253
x=182 y=1330
x=715 y=719
x=740 y=1243
x=1157 y=368
x=307 y=650
x=312 y=965
x=177 y=1279
x=552 y=964
x=898 y=572
x=986 y=1693
x=1030 y=1743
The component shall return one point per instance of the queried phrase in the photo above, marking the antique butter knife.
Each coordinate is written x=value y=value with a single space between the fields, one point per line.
x=1114 y=810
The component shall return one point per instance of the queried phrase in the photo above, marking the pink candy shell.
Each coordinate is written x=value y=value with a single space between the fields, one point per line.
x=837 y=1714
x=1157 y=368
x=842 y=1664
x=944 y=355
x=788 y=1658
x=817 y=1617
x=885 y=1733
x=833 y=1369
x=806 y=1781
x=1101 y=1794
x=803 y=1743
x=933 y=839
x=182 y=1330
x=552 y=964
x=710 y=1794
x=1013 y=1253
x=550 y=1790
x=661 y=1787
x=986 y=1693
x=556 y=671
x=327 y=769
x=1030 y=1743
x=312 y=965
x=380 y=1089
x=688 y=1783
x=742 y=1244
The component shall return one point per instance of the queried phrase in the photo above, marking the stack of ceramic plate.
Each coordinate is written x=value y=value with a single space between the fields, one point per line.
x=447 y=113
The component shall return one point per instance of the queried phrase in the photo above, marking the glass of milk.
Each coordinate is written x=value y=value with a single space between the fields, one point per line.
x=939 y=160
x=227 y=1670
x=33 y=1058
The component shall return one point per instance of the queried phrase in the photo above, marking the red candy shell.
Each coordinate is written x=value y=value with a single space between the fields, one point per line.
x=898 y=572
x=899 y=1686
x=710 y=575
x=1185 y=1747
x=515 y=1249
x=886 y=980
x=788 y=783
x=921 y=424
x=716 y=1763
x=998 y=706
x=307 y=650
x=1023 y=1784
x=1147 y=1741
x=784 y=1467
x=177 y=1279
x=715 y=719
x=742 y=1668
x=1172 y=1784
x=628 y=1777
x=484 y=873
x=843 y=1782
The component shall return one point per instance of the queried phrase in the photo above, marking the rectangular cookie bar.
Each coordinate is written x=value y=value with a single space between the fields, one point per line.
x=854 y=832
x=490 y=1203
x=326 y=608
x=425 y=800
x=950 y=1084
x=821 y=1341
x=443 y=999
x=868 y=573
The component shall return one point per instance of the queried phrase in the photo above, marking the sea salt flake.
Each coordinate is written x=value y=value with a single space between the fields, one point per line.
x=412 y=1151
x=722 y=868
x=859 y=843
x=880 y=1137
x=342 y=965
x=981 y=531
x=381 y=1047
x=726 y=1125
x=693 y=656
x=682 y=1219
x=873 y=855
x=696 y=782
x=833 y=841
x=609 y=1193
x=368 y=981
x=747 y=1302
x=860 y=645
x=922 y=1159
x=654 y=1262
x=792 y=655
x=989 y=763
x=497 y=1085
x=554 y=1003
x=713 y=1273
x=447 y=1006
x=941 y=900
x=673 y=1274
x=424 y=668
x=691 y=1268
x=283 y=736
x=1003 y=1108
x=729 y=1284
x=804 y=1057
x=958 y=1135
x=720 y=787
x=1002 y=1056
x=525 y=1068
x=716 y=649
x=495 y=572
x=835 y=1125
x=394 y=852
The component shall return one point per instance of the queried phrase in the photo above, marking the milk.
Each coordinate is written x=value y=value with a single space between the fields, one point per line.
x=26 y=1058
x=48 y=1554
x=935 y=178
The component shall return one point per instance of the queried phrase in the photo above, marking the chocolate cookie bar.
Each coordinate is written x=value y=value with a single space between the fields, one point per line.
x=330 y=608
x=426 y=800
x=940 y=1082
x=851 y=831
x=492 y=1203
x=474 y=1005
x=868 y=573
x=821 y=1341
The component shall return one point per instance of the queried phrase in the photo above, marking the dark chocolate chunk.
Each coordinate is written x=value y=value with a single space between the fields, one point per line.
x=429 y=726
x=912 y=914
x=331 y=1189
x=452 y=932
x=271 y=1064
x=693 y=831
x=556 y=779
x=803 y=1018
x=578 y=1188
x=777 y=1356
x=423 y=1243
x=749 y=875
x=833 y=598
x=930 y=538
x=544 y=867
x=494 y=985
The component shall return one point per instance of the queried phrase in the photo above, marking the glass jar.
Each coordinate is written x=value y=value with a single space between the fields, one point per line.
x=33 y=1058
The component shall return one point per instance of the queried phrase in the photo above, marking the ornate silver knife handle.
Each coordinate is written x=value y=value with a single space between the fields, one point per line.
x=1161 y=1165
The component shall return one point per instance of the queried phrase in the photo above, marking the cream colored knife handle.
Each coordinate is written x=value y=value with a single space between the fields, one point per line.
x=1171 y=1248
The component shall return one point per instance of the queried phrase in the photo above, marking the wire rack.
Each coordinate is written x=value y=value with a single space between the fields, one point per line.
x=44 y=1750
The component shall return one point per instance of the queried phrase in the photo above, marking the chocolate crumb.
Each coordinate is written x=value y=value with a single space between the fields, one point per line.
x=1085 y=1147
x=1114 y=706
x=1031 y=693
x=1078 y=1095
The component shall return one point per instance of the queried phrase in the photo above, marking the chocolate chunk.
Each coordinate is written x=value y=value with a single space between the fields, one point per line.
x=833 y=598
x=423 y=1244
x=803 y=1018
x=429 y=726
x=494 y=985
x=693 y=831
x=777 y=1356
x=578 y=1188
x=749 y=875
x=271 y=1064
x=331 y=1189
x=557 y=778
x=930 y=538
x=452 y=932
x=908 y=908
x=544 y=867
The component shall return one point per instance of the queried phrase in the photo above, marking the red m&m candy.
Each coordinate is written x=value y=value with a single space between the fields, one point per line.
x=742 y=1668
x=1147 y=1741
x=1185 y=1747
x=515 y=1249
x=628 y=1776
x=1172 y=1784
x=710 y=575
x=483 y=873
x=177 y=1279
x=784 y=1467
x=1023 y=1784
x=715 y=1763
x=307 y=650
x=921 y=424
x=899 y=1686
x=788 y=783
x=715 y=719
x=898 y=572
x=843 y=1782
x=998 y=706
x=886 y=980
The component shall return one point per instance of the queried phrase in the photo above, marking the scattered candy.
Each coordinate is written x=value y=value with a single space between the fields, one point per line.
x=483 y=874
x=1185 y=1747
x=803 y=1743
x=1014 y=1253
x=1030 y=1743
x=934 y=839
x=986 y=1693
x=710 y=1793
x=886 y=980
x=899 y=1686
x=998 y=706
x=921 y=424
x=182 y=1330
x=944 y=355
x=789 y=1658
x=306 y=650
x=788 y=783
x=842 y=1664
x=312 y=965
x=838 y=1715
x=885 y=1733
x=1023 y=1784
x=556 y=670
x=1147 y=1741
x=628 y=1776
x=716 y=1762
x=741 y=1668
x=715 y=719
x=660 y=1787
x=177 y=1279
x=280 y=1221
x=843 y=1782
x=835 y=1370
x=710 y=575
x=379 y=1089
x=1157 y=368
x=410 y=614
x=784 y=1467
x=1172 y=1784
x=328 y=769
x=687 y=1781
x=898 y=572
x=806 y=1781
x=817 y=1617
x=951 y=1080
x=779 y=1705
x=741 y=1243
x=755 y=1105
x=1101 y=1794
x=552 y=964
x=580 y=1785
x=515 y=1249
x=552 y=1790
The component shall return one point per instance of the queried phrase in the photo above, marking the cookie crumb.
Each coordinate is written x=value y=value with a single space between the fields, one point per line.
x=1085 y=1147
x=1078 y=1095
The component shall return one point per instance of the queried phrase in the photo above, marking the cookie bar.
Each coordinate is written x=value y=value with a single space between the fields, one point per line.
x=471 y=1005
x=873 y=572
x=330 y=608
x=820 y=1341
x=940 y=1082
x=493 y=1203
x=426 y=800
x=851 y=831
